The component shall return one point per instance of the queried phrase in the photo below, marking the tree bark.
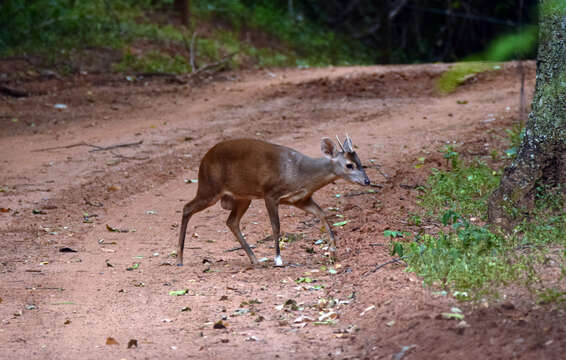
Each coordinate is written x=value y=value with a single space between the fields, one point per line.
x=541 y=159
x=182 y=7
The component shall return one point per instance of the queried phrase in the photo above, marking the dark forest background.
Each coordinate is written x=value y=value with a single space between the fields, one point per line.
x=323 y=32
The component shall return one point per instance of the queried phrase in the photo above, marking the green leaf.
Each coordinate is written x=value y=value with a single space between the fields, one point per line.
x=397 y=249
x=341 y=223
x=179 y=292
x=450 y=316
x=393 y=234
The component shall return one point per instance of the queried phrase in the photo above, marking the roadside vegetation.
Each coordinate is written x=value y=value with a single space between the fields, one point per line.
x=146 y=38
x=472 y=260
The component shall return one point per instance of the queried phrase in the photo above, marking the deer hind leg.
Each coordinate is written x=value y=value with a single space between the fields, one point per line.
x=238 y=207
x=272 y=206
x=199 y=203
x=311 y=207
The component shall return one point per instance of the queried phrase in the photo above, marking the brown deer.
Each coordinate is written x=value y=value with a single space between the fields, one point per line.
x=238 y=171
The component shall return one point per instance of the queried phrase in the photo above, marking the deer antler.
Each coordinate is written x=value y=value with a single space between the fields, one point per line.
x=340 y=143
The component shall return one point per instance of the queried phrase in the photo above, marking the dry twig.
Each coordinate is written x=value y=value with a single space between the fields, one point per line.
x=96 y=147
x=393 y=261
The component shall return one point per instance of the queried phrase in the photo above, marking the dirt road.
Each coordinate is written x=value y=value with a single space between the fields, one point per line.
x=62 y=189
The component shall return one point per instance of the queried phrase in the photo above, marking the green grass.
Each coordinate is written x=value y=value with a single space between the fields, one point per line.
x=55 y=29
x=153 y=62
x=471 y=259
x=464 y=189
x=459 y=73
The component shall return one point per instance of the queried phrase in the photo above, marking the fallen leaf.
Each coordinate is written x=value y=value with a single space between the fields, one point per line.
x=341 y=223
x=404 y=350
x=111 y=341
x=67 y=250
x=113 y=229
x=178 y=292
x=5 y=210
x=449 y=316
x=186 y=308
x=241 y=311
x=302 y=319
x=327 y=322
x=367 y=309
x=219 y=325
x=67 y=322
x=132 y=343
x=390 y=323
x=113 y=188
x=133 y=267
x=331 y=315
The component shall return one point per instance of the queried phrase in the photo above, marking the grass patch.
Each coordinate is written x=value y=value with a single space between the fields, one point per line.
x=464 y=189
x=466 y=257
x=55 y=29
x=459 y=73
x=153 y=62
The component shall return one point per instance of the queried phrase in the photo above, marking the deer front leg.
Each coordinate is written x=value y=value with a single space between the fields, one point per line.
x=272 y=206
x=311 y=207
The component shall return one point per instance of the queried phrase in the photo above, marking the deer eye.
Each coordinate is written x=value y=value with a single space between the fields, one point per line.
x=350 y=166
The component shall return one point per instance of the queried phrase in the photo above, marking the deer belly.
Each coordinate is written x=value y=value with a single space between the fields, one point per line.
x=295 y=196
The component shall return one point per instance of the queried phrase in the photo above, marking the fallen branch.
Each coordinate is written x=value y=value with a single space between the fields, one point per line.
x=191 y=50
x=96 y=147
x=62 y=147
x=377 y=167
x=100 y=148
x=129 y=157
x=358 y=193
x=183 y=79
x=214 y=64
x=393 y=261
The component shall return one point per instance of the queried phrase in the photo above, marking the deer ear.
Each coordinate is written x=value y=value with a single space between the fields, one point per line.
x=328 y=148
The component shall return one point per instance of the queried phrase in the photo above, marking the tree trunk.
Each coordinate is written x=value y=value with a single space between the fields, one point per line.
x=182 y=7
x=541 y=159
